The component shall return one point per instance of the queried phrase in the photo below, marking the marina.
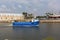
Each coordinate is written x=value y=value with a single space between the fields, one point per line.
x=29 y=19
x=26 y=28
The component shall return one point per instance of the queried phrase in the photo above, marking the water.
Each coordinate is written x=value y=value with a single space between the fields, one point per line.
x=39 y=33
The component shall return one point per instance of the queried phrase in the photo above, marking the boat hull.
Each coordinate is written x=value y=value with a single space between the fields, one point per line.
x=25 y=24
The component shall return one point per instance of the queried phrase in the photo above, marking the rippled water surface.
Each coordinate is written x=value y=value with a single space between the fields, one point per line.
x=34 y=33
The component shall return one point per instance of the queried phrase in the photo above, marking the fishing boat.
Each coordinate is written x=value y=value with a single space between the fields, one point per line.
x=32 y=23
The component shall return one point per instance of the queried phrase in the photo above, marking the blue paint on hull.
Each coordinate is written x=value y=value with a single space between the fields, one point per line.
x=25 y=24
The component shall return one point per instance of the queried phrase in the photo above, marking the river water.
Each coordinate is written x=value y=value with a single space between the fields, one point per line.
x=34 y=33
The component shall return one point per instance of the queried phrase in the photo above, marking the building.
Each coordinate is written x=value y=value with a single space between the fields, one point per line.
x=11 y=16
x=54 y=16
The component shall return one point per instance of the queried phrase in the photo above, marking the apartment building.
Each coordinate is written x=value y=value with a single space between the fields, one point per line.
x=11 y=16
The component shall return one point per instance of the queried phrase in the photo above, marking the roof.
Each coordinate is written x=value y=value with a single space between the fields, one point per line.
x=18 y=14
x=54 y=15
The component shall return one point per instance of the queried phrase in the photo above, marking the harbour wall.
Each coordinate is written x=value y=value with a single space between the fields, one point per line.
x=41 y=21
x=49 y=21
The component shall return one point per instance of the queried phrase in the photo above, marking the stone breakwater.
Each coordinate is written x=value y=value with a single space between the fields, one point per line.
x=50 y=21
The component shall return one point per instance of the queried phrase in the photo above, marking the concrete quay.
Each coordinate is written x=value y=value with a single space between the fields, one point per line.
x=49 y=21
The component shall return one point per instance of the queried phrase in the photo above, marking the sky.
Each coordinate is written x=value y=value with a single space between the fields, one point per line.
x=37 y=7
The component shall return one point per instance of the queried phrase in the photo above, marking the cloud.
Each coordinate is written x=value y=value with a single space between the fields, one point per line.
x=54 y=5
x=18 y=1
x=19 y=6
x=34 y=9
x=3 y=6
x=36 y=6
x=24 y=5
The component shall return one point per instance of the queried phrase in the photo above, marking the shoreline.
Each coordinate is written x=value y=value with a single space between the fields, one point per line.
x=41 y=21
x=49 y=21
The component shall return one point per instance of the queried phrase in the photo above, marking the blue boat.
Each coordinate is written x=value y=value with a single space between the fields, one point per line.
x=26 y=24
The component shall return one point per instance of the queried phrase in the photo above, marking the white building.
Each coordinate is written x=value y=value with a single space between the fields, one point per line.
x=54 y=16
x=11 y=16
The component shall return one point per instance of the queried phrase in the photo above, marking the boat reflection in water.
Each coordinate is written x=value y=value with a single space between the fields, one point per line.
x=26 y=33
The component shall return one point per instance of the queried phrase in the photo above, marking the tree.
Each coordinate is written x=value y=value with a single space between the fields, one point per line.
x=25 y=14
x=30 y=16
x=39 y=17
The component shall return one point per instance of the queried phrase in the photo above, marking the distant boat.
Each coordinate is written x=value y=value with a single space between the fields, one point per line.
x=33 y=23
